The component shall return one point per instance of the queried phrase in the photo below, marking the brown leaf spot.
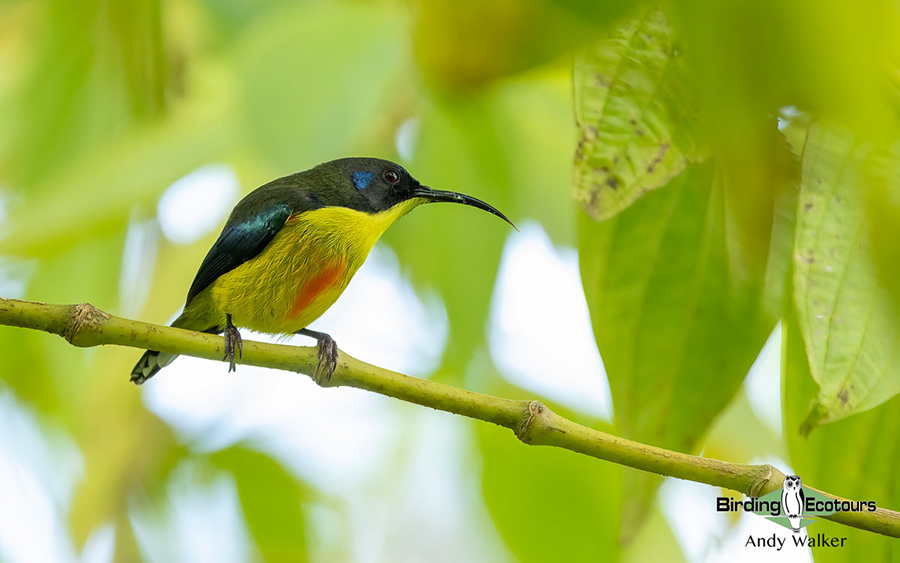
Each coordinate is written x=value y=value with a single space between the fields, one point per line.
x=659 y=156
x=843 y=397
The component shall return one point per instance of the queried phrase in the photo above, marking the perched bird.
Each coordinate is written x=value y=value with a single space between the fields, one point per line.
x=289 y=249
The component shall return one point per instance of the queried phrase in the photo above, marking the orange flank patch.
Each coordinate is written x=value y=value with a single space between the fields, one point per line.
x=315 y=285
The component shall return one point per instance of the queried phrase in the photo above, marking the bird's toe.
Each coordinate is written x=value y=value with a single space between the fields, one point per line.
x=233 y=343
x=328 y=353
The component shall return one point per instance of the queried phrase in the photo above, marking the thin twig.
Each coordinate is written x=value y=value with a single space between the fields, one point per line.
x=533 y=423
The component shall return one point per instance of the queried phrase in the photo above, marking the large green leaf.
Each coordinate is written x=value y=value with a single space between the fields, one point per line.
x=316 y=78
x=467 y=44
x=548 y=504
x=271 y=498
x=676 y=329
x=127 y=451
x=655 y=541
x=537 y=151
x=883 y=213
x=855 y=457
x=624 y=87
x=751 y=57
x=453 y=248
x=845 y=316
x=95 y=194
x=757 y=440
x=96 y=67
x=480 y=144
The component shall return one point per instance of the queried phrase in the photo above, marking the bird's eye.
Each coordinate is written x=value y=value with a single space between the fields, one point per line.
x=391 y=176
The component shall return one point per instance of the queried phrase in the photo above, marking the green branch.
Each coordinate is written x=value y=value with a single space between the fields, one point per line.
x=533 y=423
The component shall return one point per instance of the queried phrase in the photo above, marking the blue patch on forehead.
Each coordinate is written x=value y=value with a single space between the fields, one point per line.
x=362 y=179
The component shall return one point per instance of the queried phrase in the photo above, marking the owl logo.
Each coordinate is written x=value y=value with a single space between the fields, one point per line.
x=792 y=501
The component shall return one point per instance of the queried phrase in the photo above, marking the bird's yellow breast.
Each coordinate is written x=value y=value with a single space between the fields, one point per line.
x=299 y=274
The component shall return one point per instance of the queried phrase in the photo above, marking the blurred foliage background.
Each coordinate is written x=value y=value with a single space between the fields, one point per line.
x=735 y=213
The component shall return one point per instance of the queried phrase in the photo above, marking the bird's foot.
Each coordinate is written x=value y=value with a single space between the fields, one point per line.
x=328 y=353
x=232 y=340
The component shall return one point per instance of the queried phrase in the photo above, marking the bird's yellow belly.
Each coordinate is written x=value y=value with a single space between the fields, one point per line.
x=284 y=301
x=299 y=275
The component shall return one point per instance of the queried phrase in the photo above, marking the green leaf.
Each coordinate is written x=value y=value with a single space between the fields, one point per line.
x=548 y=504
x=856 y=457
x=332 y=70
x=453 y=248
x=537 y=151
x=53 y=371
x=623 y=89
x=655 y=541
x=883 y=213
x=94 y=195
x=757 y=440
x=271 y=498
x=94 y=68
x=464 y=45
x=128 y=450
x=676 y=329
x=480 y=144
x=845 y=316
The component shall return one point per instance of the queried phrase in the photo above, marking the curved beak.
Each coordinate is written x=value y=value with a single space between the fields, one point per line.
x=432 y=196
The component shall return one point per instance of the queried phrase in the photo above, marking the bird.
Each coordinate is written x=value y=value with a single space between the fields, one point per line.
x=792 y=501
x=288 y=250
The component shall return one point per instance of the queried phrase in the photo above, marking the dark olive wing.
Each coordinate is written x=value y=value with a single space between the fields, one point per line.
x=240 y=241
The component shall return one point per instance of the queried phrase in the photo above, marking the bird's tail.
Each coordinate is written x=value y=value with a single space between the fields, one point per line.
x=150 y=363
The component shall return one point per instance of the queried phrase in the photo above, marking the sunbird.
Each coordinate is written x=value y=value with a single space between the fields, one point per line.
x=289 y=249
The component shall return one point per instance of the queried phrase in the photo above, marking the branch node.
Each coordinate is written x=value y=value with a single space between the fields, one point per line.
x=758 y=487
x=82 y=318
x=533 y=423
x=532 y=412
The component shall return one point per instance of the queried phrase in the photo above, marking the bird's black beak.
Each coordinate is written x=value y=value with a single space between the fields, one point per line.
x=431 y=196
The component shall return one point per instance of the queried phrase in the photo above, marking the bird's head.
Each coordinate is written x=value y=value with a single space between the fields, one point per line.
x=373 y=185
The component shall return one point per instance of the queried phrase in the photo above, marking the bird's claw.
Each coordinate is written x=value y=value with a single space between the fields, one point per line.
x=233 y=340
x=328 y=353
